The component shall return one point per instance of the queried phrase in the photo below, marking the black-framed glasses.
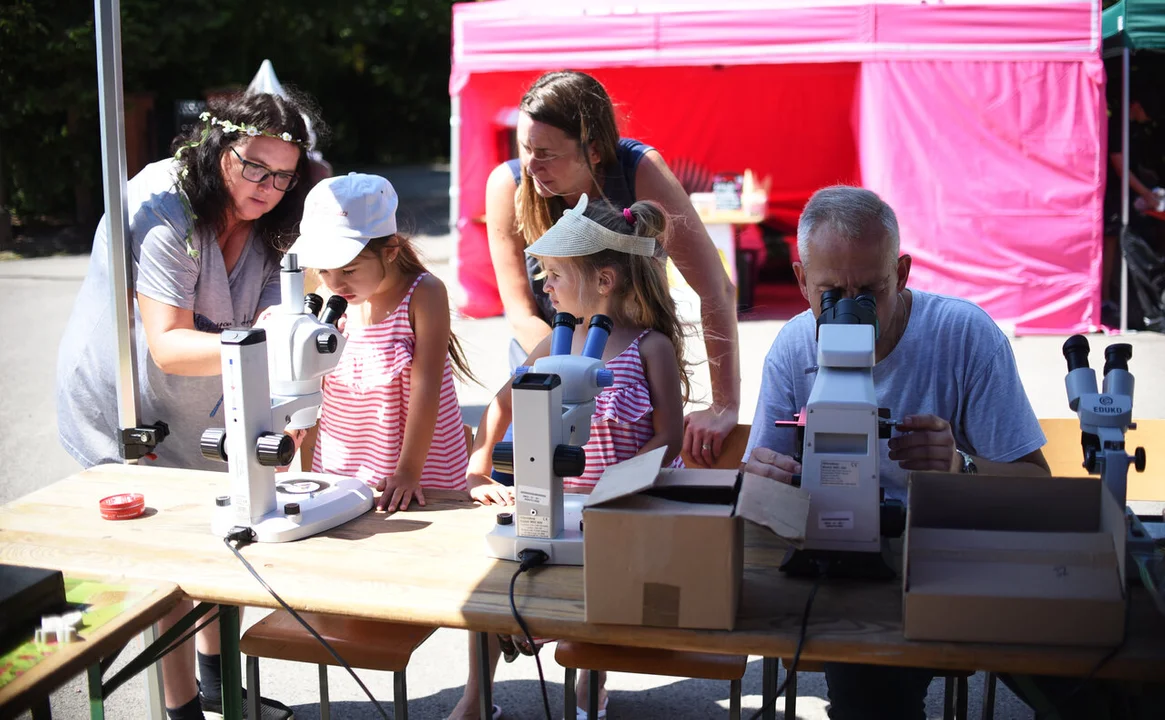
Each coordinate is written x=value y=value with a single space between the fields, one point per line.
x=256 y=173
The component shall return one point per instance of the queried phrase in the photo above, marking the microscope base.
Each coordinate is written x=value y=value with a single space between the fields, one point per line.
x=324 y=502
x=839 y=564
x=504 y=543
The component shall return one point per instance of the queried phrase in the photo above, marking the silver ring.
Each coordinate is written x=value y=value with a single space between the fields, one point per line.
x=705 y=446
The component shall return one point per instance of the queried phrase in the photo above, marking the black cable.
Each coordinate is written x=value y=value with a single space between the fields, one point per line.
x=792 y=669
x=244 y=541
x=189 y=634
x=530 y=559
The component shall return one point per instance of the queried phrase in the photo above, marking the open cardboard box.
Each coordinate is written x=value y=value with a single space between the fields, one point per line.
x=665 y=547
x=1013 y=559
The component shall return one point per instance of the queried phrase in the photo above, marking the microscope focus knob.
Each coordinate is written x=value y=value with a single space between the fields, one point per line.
x=604 y=378
x=569 y=461
x=275 y=449
x=214 y=444
x=1139 y=459
x=326 y=343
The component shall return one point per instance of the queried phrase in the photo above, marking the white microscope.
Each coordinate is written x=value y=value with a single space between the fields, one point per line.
x=552 y=406
x=1104 y=419
x=842 y=426
x=272 y=381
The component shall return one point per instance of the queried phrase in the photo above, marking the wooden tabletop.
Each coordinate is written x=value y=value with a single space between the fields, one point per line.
x=115 y=613
x=429 y=567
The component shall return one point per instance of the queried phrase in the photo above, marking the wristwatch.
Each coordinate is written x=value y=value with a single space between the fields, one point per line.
x=969 y=467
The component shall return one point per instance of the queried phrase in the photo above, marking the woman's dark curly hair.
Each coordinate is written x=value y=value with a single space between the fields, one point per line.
x=202 y=182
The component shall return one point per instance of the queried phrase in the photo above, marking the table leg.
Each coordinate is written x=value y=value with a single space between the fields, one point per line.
x=155 y=697
x=485 y=693
x=232 y=672
x=96 y=695
x=769 y=675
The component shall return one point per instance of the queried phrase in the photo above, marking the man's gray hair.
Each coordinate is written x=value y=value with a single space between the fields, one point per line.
x=849 y=211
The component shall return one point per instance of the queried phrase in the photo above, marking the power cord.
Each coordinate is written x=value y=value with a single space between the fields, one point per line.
x=243 y=536
x=530 y=559
x=792 y=669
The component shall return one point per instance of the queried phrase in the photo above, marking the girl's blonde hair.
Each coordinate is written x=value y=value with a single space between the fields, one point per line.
x=408 y=262
x=578 y=105
x=640 y=281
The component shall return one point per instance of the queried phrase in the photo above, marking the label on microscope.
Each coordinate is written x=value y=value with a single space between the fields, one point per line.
x=534 y=526
x=840 y=473
x=532 y=495
x=835 y=520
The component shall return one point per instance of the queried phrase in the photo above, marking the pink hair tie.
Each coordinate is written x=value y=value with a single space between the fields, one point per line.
x=629 y=217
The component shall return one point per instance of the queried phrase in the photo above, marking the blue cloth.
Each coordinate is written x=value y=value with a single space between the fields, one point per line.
x=952 y=361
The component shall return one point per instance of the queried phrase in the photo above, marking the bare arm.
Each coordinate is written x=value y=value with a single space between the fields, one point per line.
x=697 y=259
x=1134 y=182
x=1031 y=464
x=663 y=379
x=507 y=251
x=176 y=347
x=429 y=315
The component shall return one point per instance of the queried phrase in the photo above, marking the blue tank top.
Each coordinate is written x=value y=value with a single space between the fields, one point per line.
x=619 y=189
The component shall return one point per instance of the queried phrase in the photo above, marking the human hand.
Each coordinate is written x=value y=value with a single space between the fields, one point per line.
x=488 y=491
x=772 y=464
x=398 y=491
x=926 y=443
x=704 y=433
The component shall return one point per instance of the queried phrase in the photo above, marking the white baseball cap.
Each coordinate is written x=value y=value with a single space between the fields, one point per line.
x=340 y=215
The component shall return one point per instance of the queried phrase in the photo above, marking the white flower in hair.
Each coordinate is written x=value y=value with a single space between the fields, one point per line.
x=253 y=131
x=286 y=137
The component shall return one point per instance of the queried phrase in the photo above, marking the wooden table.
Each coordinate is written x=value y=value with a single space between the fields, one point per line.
x=116 y=612
x=429 y=567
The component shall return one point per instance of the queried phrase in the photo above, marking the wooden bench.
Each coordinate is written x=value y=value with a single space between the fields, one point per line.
x=364 y=644
x=613 y=658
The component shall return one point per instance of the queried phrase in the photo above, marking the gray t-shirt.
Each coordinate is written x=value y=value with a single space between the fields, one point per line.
x=87 y=417
x=952 y=361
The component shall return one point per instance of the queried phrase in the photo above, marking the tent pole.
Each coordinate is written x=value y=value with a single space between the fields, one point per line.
x=1124 y=189
x=455 y=184
x=112 y=107
x=110 y=95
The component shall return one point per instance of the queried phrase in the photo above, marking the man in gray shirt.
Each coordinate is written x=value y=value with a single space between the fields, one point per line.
x=942 y=365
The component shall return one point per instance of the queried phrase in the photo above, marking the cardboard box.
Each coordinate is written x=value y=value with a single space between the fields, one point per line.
x=1013 y=560
x=665 y=547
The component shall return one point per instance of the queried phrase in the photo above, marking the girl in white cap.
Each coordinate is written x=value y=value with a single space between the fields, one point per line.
x=390 y=414
x=600 y=260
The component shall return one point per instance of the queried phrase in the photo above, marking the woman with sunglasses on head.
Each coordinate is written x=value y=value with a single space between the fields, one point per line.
x=205 y=229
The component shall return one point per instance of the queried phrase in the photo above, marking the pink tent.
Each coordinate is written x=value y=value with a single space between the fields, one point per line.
x=979 y=122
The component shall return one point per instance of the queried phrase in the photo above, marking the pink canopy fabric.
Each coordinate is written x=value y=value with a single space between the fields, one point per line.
x=979 y=122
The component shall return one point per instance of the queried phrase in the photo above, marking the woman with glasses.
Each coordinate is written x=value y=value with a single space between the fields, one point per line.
x=205 y=229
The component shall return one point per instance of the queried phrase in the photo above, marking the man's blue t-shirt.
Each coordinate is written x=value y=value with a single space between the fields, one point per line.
x=952 y=361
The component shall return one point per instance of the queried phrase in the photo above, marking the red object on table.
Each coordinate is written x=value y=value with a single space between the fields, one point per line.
x=122 y=507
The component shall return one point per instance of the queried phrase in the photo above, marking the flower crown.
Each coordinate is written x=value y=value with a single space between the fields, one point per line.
x=227 y=127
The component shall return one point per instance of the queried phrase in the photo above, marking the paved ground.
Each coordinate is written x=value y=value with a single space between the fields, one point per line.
x=37 y=296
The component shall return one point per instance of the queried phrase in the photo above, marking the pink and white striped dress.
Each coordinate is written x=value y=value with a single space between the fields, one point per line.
x=622 y=421
x=366 y=401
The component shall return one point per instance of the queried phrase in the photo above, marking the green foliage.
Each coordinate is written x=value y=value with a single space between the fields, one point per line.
x=379 y=70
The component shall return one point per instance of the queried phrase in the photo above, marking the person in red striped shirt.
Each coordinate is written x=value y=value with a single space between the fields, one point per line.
x=390 y=415
x=600 y=260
